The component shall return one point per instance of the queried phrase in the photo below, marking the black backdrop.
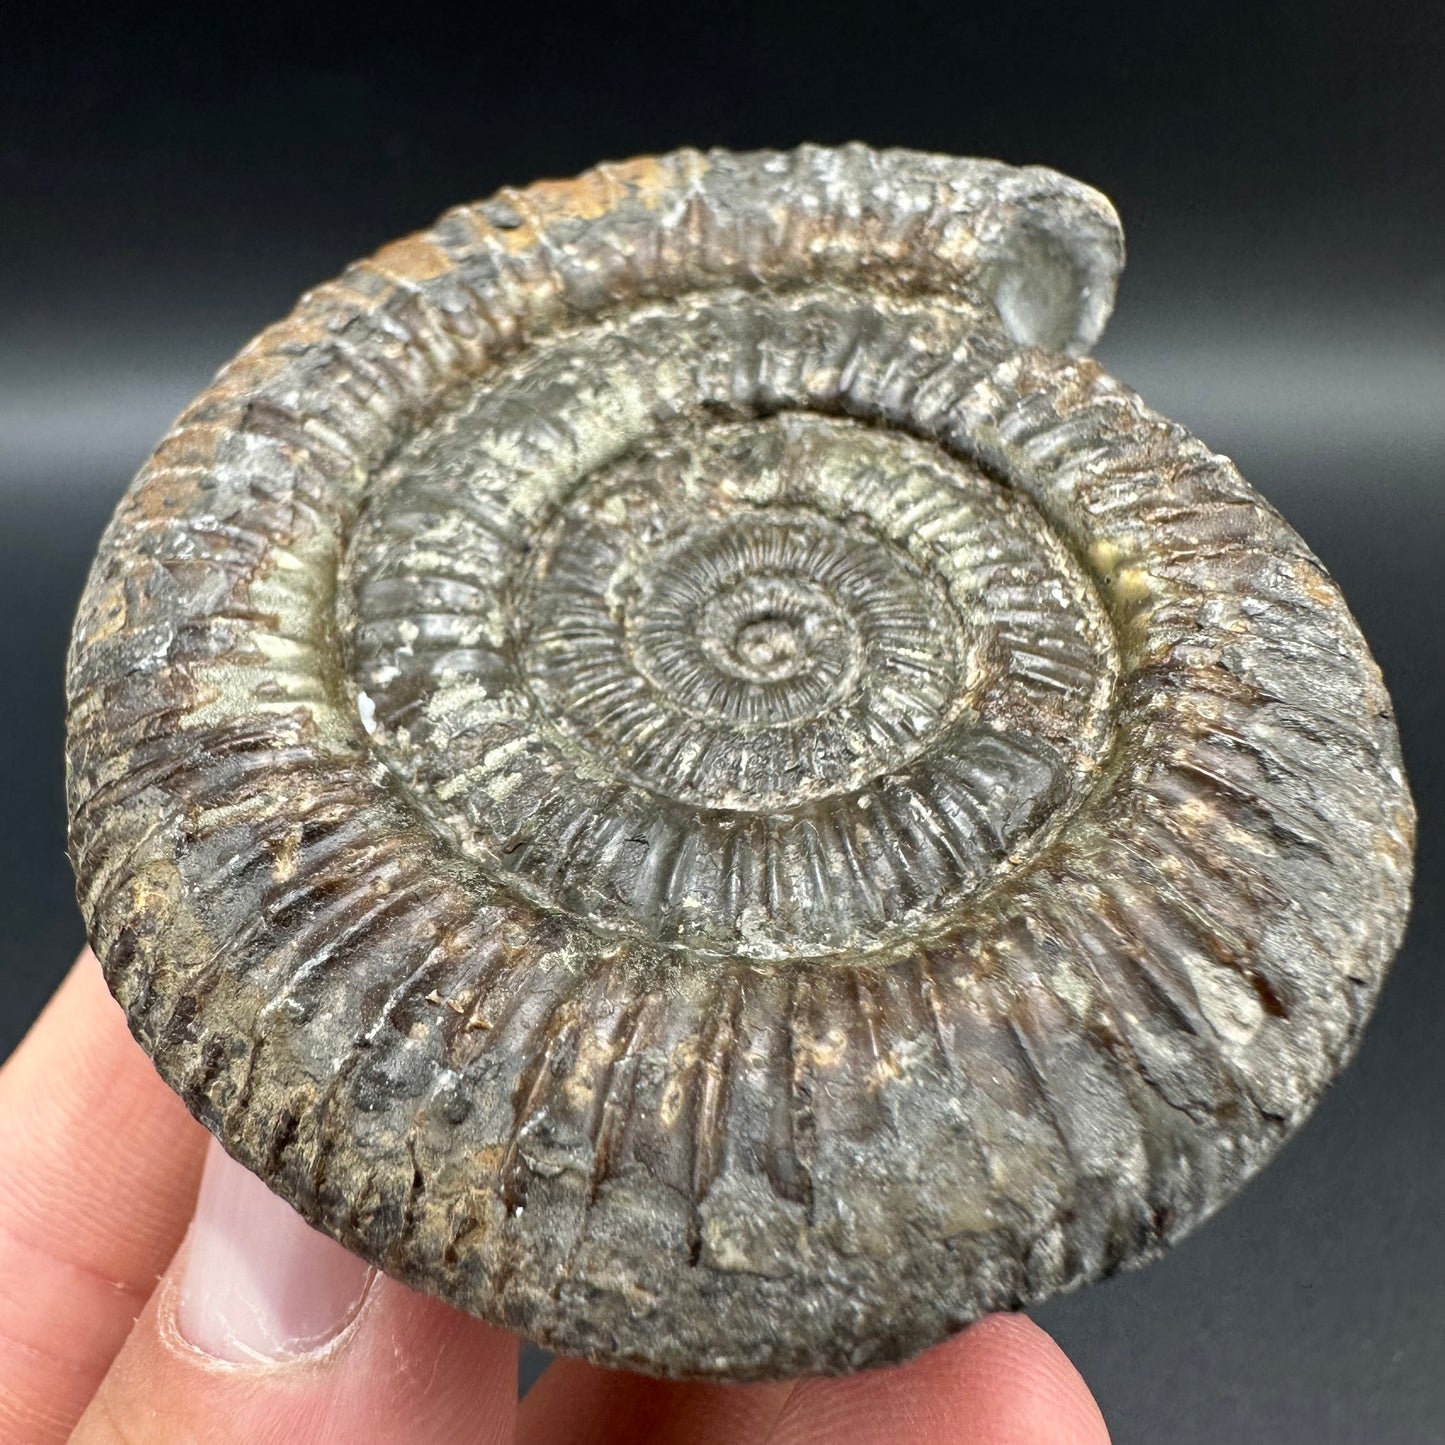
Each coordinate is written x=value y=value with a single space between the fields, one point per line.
x=171 y=180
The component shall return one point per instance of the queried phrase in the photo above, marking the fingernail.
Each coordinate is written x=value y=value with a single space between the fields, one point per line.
x=257 y=1282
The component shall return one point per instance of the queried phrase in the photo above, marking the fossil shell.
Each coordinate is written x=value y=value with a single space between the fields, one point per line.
x=666 y=763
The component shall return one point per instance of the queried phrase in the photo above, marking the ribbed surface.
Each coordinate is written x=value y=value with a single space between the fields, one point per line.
x=701 y=525
x=769 y=689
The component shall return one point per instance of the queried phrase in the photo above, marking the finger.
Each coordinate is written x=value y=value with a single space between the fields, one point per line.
x=98 y=1166
x=1002 y=1381
x=587 y=1406
x=266 y=1332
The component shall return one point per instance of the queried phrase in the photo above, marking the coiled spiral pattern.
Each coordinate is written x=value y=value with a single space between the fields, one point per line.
x=767 y=687
x=668 y=765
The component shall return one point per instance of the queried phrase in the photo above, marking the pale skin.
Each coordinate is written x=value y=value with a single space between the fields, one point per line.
x=121 y=1323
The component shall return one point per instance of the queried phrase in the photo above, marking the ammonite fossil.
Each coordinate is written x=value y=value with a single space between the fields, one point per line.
x=669 y=765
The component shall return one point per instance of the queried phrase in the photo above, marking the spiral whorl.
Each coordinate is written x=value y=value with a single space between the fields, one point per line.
x=666 y=764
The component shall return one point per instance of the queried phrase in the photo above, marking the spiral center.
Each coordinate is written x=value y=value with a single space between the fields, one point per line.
x=734 y=625
x=769 y=629
x=767 y=648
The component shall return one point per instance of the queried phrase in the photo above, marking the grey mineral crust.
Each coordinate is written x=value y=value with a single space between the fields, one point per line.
x=670 y=764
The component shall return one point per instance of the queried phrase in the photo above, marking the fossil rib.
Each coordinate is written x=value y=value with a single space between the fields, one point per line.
x=666 y=763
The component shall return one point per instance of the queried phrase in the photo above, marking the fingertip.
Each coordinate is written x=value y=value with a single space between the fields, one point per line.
x=1002 y=1381
x=81 y=1004
x=84 y=986
x=80 y=1048
x=255 y=1281
x=586 y=1404
x=98 y=1162
x=262 y=1332
x=81 y=1111
x=86 y=981
x=1025 y=1388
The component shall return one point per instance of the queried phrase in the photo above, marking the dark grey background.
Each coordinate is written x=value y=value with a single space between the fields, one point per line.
x=169 y=182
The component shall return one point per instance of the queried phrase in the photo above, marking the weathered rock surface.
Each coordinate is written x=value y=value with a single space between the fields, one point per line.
x=669 y=765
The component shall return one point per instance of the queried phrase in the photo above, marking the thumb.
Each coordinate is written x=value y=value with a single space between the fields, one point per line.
x=267 y=1332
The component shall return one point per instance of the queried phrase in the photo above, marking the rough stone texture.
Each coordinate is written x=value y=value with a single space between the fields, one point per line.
x=668 y=765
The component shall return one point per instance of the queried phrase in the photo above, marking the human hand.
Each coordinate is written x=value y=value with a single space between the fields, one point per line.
x=127 y=1322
